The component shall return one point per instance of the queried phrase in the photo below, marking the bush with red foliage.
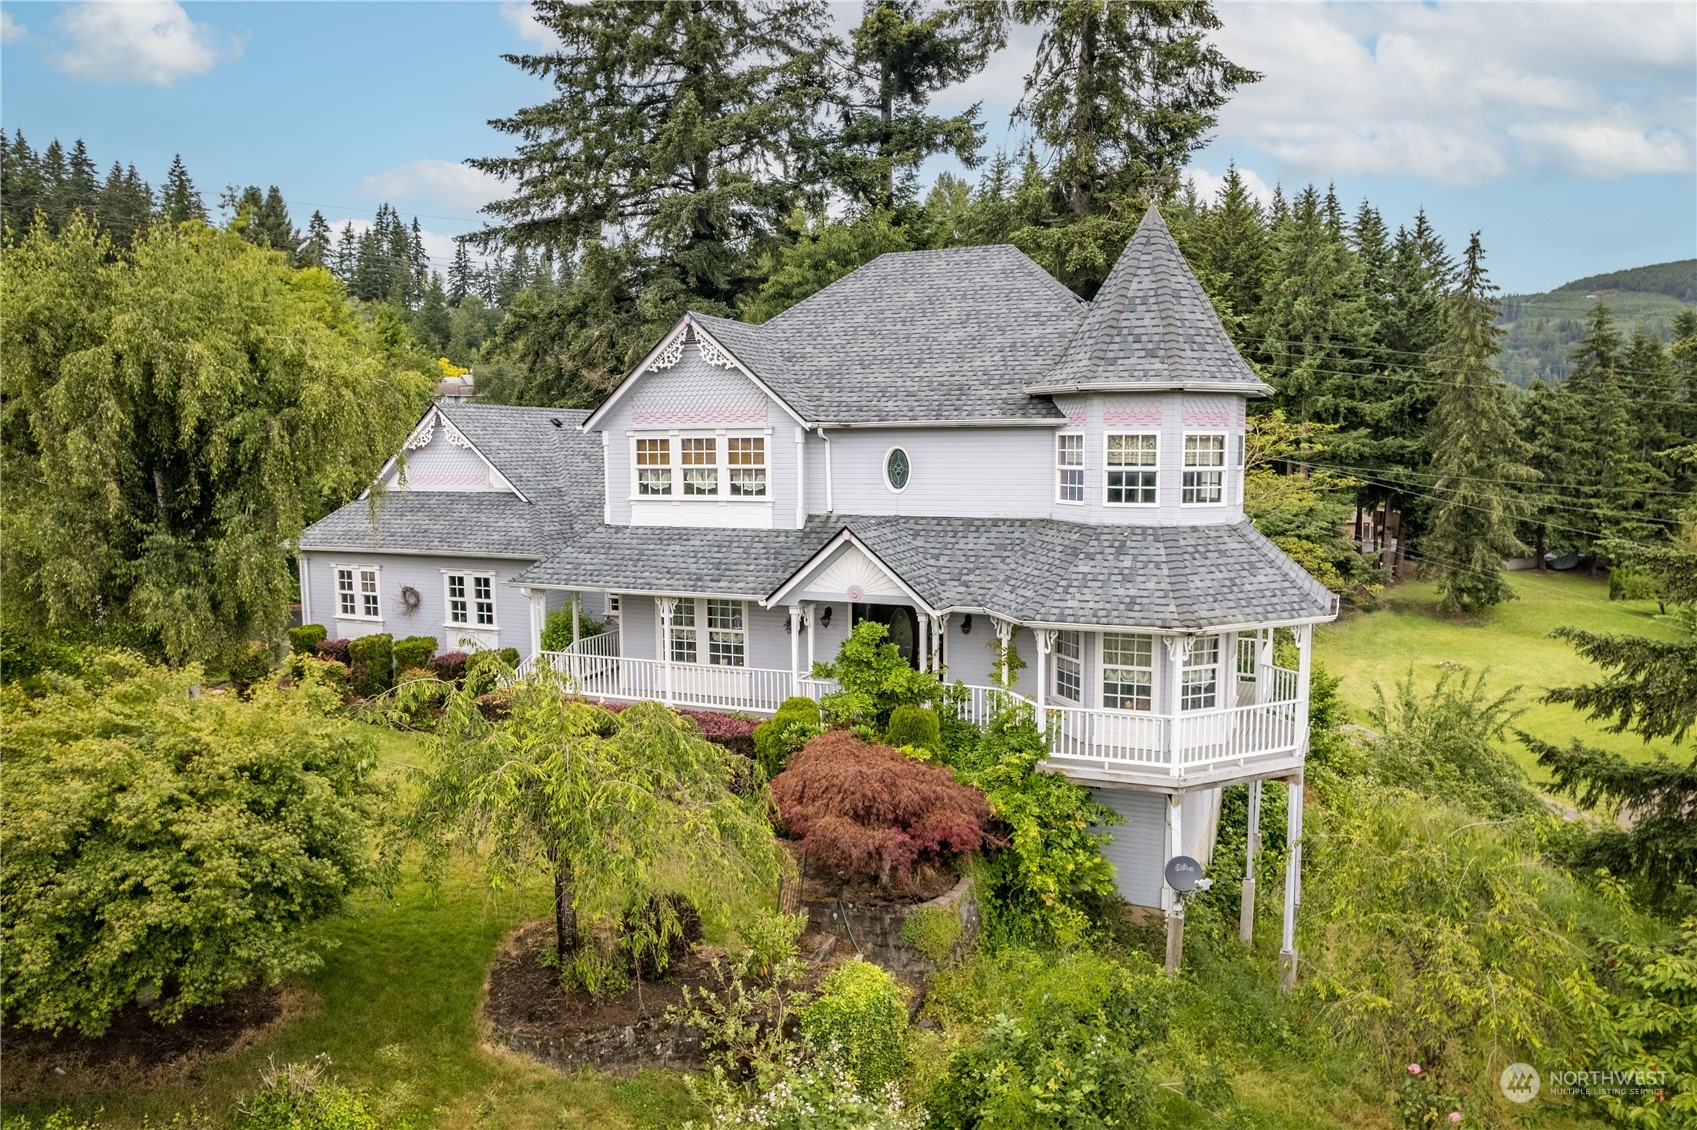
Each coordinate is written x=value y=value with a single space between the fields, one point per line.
x=732 y=731
x=449 y=666
x=334 y=650
x=871 y=810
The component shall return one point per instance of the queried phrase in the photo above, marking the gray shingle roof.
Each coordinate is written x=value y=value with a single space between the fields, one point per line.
x=557 y=468
x=1151 y=326
x=1180 y=578
x=954 y=334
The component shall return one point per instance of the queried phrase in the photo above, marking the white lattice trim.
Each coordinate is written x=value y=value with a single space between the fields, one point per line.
x=713 y=355
x=425 y=433
x=668 y=356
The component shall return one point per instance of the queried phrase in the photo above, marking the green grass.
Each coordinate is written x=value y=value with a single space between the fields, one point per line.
x=395 y=1009
x=1512 y=642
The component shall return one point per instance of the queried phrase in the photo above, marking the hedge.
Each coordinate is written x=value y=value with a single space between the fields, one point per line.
x=915 y=726
x=785 y=732
x=247 y=669
x=449 y=666
x=860 y=1019
x=414 y=652
x=305 y=639
x=336 y=651
x=372 y=659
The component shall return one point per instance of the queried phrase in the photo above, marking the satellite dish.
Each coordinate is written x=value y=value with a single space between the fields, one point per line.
x=1183 y=873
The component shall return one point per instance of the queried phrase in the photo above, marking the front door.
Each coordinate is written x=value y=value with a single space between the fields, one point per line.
x=902 y=622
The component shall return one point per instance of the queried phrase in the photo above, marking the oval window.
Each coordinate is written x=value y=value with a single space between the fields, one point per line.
x=896 y=469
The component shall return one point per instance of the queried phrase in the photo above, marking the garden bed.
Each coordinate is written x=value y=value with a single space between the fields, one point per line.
x=137 y=1052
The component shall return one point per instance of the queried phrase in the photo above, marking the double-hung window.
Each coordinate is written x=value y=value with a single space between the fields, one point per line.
x=714 y=630
x=1069 y=666
x=356 y=593
x=1204 y=470
x=1069 y=467
x=701 y=466
x=471 y=599
x=1128 y=671
x=1131 y=469
x=1199 y=681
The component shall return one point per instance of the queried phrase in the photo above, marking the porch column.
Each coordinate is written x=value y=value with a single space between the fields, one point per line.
x=800 y=478
x=1045 y=640
x=577 y=610
x=1246 y=913
x=1178 y=652
x=1293 y=882
x=1304 y=665
x=941 y=637
x=1004 y=636
x=538 y=618
x=924 y=641
x=664 y=605
x=811 y=613
x=1170 y=899
x=1264 y=665
x=795 y=648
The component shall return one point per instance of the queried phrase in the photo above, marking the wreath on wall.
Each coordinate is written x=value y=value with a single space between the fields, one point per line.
x=410 y=599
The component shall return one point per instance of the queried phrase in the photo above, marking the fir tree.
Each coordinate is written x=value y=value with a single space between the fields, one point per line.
x=1476 y=452
x=53 y=175
x=347 y=254
x=1231 y=246
x=20 y=184
x=81 y=185
x=125 y=204
x=431 y=324
x=1123 y=93
x=179 y=201
x=901 y=54
x=315 y=252
x=460 y=278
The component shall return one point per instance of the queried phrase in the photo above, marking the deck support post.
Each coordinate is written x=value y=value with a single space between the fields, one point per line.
x=1045 y=640
x=538 y=617
x=1293 y=883
x=795 y=649
x=810 y=612
x=577 y=612
x=941 y=634
x=665 y=605
x=923 y=643
x=1173 y=900
x=1004 y=638
x=1246 y=913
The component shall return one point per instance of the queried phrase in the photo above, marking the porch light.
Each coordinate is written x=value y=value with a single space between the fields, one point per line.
x=825 y=617
x=966 y=625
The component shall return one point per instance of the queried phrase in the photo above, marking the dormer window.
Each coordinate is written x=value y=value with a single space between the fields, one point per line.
x=710 y=466
x=701 y=466
x=1131 y=469
x=1204 y=470
x=653 y=466
x=747 y=459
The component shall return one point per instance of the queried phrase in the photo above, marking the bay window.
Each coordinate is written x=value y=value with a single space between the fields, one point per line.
x=654 y=466
x=1128 y=671
x=1132 y=469
x=1069 y=467
x=1204 y=470
x=1069 y=667
x=1199 y=681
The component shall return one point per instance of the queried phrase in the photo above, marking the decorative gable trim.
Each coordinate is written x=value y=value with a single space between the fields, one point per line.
x=423 y=433
x=870 y=572
x=669 y=351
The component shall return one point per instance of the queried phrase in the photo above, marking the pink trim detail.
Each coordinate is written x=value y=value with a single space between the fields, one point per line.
x=447 y=480
x=1133 y=416
x=702 y=416
x=1076 y=419
x=1216 y=418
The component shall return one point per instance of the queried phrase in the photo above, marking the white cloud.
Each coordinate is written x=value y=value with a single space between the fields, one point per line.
x=1464 y=94
x=11 y=31
x=1207 y=185
x=523 y=18
x=442 y=182
x=146 y=42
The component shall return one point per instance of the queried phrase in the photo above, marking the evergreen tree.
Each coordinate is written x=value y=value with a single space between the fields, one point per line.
x=1476 y=452
x=179 y=201
x=81 y=185
x=347 y=254
x=20 y=184
x=431 y=324
x=901 y=54
x=125 y=204
x=53 y=174
x=460 y=280
x=1122 y=94
x=1230 y=245
x=315 y=252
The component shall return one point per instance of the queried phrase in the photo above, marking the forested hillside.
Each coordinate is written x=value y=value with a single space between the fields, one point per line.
x=1542 y=328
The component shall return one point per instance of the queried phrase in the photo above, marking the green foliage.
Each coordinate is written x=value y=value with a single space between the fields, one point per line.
x=1049 y=1040
x=875 y=679
x=1651 y=687
x=303 y=1096
x=249 y=667
x=485 y=668
x=1444 y=743
x=1642 y=1022
x=372 y=663
x=616 y=809
x=796 y=720
x=770 y=941
x=1041 y=886
x=859 y=1022
x=175 y=416
x=167 y=845
x=916 y=726
x=557 y=632
x=820 y=1095
x=413 y=652
x=747 y=1029
x=933 y=931
x=305 y=639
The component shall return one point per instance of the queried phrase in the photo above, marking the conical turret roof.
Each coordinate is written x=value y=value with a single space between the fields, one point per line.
x=1151 y=327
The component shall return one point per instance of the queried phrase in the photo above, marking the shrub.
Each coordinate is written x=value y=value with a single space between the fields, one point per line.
x=1054 y=1040
x=785 y=732
x=372 y=660
x=915 y=726
x=336 y=651
x=171 y=846
x=817 y=1096
x=483 y=669
x=658 y=932
x=249 y=667
x=413 y=652
x=771 y=939
x=875 y=679
x=300 y=1096
x=871 y=810
x=305 y=639
x=932 y=931
x=734 y=732
x=557 y=632
x=449 y=666
x=1445 y=743
x=859 y=1020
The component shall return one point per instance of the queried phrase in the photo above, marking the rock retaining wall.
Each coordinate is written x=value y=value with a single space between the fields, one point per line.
x=875 y=931
x=649 y=1041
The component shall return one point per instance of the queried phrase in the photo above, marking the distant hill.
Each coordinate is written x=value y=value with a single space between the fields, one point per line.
x=1542 y=328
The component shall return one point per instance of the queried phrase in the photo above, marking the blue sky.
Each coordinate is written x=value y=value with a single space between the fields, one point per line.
x=1567 y=133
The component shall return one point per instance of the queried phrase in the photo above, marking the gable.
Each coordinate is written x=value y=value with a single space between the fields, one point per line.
x=694 y=390
x=438 y=458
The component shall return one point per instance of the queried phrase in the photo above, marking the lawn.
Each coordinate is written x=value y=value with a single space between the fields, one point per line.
x=395 y=1009
x=1512 y=643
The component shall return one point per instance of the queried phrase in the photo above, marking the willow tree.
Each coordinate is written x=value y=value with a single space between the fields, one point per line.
x=614 y=809
x=173 y=418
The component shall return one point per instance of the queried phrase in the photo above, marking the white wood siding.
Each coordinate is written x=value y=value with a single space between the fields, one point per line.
x=1170 y=415
x=397 y=570
x=1137 y=848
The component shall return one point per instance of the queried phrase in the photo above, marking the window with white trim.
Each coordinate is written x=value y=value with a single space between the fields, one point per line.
x=1204 y=470
x=1069 y=665
x=714 y=631
x=470 y=599
x=1132 y=469
x=701 y=466
x=1199 y=681
x=356 y=593
x=1128 y=671
x=1069 y=467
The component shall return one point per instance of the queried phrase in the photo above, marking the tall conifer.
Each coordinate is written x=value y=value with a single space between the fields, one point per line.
x=179 y=200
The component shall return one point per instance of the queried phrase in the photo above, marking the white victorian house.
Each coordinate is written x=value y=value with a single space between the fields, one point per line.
x=948 y=442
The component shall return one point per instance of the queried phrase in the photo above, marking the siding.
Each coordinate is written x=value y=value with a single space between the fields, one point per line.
x=965 y=472
x=1137 y=848
x=1170 y=414
x=395 y=571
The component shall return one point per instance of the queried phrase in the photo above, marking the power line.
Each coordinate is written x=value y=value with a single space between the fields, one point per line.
x=1482 y=479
